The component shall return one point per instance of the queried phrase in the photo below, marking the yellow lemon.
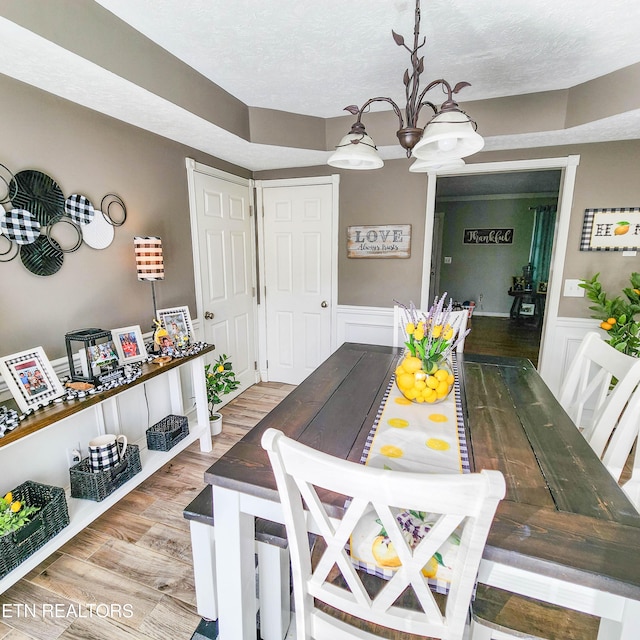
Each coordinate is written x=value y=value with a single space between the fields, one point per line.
x=16 y=506
x=9 y=497
x=442 y=387
x=419 y=398
x=450 y=379
x=437 y=445
x=412 y=364
x=441 y=374
x=400 y=370
x=411 y=393
x=429 y=395
x=420 y=385
x=398 y=423
x=431 y=568
x=405 y=381
x=432 y=382
x=438 y=417
x=384 y=553
x=391 y=451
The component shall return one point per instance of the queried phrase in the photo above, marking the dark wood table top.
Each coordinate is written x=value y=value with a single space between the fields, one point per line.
x=563 y=515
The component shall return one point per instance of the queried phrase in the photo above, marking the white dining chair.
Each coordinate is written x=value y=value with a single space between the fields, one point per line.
x=587 y=394
x=459 y=320
x=334 y=601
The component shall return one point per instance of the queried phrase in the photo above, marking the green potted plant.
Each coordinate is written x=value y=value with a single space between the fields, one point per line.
x=220 y=380
x=617 y=315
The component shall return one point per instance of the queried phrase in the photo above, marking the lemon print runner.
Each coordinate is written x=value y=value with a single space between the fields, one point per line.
x=426 y=438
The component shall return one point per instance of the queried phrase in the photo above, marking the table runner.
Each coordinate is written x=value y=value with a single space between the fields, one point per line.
x=416 y=437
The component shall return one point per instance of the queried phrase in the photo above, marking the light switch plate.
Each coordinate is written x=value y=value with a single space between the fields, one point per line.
x=447 y=259
x=572 y=290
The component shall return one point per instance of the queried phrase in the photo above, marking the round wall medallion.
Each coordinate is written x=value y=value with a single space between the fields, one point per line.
x=43 y=257
x=98 y=234
x=79 y=208
x=19 y=225
x=39 y=194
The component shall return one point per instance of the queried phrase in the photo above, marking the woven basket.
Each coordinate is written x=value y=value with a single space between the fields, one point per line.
x=165 y=434
x=53 y=516
x=97 y=486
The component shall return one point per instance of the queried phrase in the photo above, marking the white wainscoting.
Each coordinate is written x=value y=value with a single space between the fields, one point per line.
x=566 y=338
x=368 y=325
x=374 y=325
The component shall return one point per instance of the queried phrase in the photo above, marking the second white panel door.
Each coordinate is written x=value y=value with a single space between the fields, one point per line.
x=298 y=285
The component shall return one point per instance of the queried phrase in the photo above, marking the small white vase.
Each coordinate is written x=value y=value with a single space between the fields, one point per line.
x=215 y=423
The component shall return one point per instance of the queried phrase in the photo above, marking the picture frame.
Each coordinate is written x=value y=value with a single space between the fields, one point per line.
x=129 y=344
x=542 y=287
x=614 y=229
x=31 y=379
x=177 y=322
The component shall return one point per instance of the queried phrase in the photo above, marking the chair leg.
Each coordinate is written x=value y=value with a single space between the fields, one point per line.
x=273 y=590
x=479 y=631
x=204 y=569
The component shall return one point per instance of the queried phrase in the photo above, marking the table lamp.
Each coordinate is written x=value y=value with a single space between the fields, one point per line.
x=149 y=262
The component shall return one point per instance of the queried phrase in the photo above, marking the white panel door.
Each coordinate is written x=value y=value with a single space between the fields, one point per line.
x=298 y=279
x=226 y=265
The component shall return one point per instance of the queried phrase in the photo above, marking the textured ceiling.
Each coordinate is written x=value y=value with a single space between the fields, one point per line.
x=314 y=58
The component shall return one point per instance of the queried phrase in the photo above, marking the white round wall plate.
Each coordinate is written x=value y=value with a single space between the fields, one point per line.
x=98 y=233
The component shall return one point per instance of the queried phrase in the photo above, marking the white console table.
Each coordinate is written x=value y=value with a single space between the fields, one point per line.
x=39 y=449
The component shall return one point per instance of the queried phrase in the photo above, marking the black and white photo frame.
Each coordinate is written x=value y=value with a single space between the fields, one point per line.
x=31 y=379
x=177 y=322
x=129 y=344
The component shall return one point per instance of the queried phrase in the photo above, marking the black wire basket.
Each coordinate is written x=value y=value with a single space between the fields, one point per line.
x=165 y=434
x=52 y=517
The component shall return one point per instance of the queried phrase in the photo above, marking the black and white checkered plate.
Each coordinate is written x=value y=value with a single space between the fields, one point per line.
x=20 y=226
x=79 y=208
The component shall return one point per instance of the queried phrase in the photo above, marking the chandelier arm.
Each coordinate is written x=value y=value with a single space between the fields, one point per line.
x=381 y=99
x=425 y=103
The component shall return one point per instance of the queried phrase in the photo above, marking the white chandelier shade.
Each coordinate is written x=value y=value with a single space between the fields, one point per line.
x=436 y=163
x=450 y=135
x=356 y=151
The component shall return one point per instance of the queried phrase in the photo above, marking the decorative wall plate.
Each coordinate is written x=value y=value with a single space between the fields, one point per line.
x=98 y=234
x=79 y=208
x=19 y=225
x=43 y=257
x=39 y=194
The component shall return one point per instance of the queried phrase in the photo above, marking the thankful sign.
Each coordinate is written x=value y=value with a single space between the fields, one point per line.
x=488 y=236
x=384 y=241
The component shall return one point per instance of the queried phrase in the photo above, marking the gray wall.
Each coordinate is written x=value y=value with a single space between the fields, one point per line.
x=92 y=154
x=485 y=271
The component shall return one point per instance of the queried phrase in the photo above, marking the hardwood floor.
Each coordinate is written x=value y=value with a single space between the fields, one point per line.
x=128 y=576
x=503 y=337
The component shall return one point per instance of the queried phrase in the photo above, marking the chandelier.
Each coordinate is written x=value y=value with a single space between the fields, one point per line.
x=448 y=137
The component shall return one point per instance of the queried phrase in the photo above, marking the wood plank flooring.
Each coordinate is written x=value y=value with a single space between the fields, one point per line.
x=493 y=336
x=128 y=576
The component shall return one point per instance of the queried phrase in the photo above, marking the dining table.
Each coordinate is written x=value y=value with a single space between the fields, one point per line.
x=565 y=533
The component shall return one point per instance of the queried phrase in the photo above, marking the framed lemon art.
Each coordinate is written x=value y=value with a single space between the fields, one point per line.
x=611 y=230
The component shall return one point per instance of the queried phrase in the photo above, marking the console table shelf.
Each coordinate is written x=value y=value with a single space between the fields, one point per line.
x=101 y=413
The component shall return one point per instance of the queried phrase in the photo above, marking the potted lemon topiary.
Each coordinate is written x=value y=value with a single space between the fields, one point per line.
x=220 y=380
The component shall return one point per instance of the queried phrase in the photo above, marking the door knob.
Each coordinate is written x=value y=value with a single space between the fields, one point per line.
x=324 y=304
x=208 y=315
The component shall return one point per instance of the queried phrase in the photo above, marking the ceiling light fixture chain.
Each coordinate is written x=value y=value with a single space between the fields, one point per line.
x=455 y=138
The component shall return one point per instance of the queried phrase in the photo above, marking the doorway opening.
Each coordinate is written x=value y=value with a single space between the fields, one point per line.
x=494 y=254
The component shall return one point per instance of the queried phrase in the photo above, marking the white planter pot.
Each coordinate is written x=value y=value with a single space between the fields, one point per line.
x=215 y=423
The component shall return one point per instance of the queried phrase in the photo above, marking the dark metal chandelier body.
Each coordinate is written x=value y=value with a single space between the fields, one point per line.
x=448 y=115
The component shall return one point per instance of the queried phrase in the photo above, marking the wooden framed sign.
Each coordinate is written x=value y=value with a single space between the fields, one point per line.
x=379 y=241
x=488 y=236
x=611 y=230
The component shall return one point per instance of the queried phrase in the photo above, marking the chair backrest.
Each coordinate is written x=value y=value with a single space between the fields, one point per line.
x=460 y=503
x=586 y=393
x=457 y=319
